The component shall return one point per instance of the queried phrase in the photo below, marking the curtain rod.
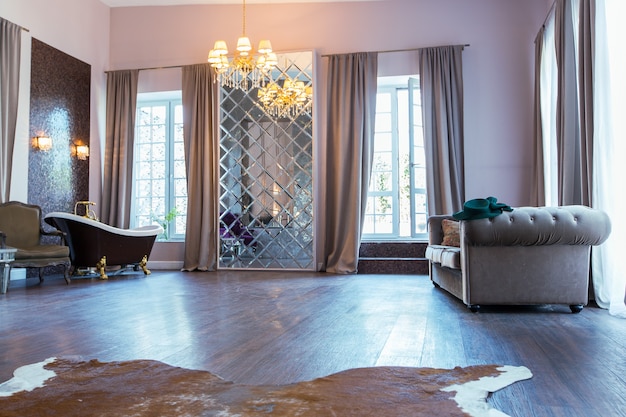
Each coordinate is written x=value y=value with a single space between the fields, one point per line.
x=323 y=56
x=396 y=50
x=19 y=26
x=150 y=68
x=549 y=13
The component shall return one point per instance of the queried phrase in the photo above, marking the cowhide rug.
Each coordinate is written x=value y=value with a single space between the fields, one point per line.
x=67 y=387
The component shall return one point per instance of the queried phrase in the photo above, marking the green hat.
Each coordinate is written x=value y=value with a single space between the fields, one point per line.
x=481 y=208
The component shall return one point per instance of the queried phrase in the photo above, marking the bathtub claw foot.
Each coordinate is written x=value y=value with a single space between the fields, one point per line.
x=143 y=263
x=100 y=266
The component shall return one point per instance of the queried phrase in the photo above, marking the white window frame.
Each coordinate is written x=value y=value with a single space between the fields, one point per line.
x=169 y=100
x=392 y=87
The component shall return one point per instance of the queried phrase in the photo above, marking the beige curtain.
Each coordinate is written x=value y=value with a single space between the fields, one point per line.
x=201 y=137
x=352 y=83
x=441 y=84
x=121 y=108
x=10 y=47
x=538 y=190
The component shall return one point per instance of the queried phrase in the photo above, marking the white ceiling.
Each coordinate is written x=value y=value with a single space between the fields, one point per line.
x=129 y=3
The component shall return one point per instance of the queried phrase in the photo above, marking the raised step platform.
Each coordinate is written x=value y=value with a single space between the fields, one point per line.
x=393 y=258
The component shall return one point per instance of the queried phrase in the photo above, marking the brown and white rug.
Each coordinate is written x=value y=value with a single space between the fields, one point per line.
x=67 y=387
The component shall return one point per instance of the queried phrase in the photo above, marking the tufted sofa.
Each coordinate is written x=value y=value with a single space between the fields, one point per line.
x=531 y=255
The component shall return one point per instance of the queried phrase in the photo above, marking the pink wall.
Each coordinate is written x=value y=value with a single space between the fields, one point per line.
x=498 y=66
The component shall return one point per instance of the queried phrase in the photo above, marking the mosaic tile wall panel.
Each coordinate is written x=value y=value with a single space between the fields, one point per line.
x=59 y=108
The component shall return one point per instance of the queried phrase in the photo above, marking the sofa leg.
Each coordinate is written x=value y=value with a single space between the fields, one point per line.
x=576 y=308
x=474 y=308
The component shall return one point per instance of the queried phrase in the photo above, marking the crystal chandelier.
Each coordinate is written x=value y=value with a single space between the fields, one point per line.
x=245 y=66
x=289 y=99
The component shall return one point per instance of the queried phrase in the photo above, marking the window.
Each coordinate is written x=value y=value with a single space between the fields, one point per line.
x=396 y=204
x=160 y=184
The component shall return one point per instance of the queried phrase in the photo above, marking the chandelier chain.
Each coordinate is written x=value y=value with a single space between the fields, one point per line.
x=243 y=25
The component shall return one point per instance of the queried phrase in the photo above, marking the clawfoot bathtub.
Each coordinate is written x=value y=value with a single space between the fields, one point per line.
x=95 y=245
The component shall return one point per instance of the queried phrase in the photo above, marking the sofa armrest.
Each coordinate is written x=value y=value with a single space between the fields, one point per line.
x=533 y=226
x=435 y=231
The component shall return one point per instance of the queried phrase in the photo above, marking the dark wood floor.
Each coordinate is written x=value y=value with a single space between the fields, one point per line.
x=282 y=327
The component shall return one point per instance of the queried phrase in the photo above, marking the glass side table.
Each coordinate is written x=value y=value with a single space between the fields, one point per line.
x=7 y=255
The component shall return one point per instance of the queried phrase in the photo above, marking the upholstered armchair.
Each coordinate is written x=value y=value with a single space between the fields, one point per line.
x=21 y=228
x=529 y=256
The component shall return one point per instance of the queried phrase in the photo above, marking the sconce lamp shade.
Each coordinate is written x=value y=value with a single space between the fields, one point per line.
x=43 y=143
x=80 y=151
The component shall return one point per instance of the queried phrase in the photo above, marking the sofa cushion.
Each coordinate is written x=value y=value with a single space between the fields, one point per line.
x=448 y=256
x=451 y=236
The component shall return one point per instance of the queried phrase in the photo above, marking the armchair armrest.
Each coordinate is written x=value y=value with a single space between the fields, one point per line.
x=54 y=233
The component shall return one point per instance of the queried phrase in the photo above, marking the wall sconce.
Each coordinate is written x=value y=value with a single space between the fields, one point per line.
x=80 y=151
x=43 y=143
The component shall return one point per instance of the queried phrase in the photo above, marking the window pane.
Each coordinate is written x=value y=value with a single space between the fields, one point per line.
x=420 y=177
x=179 y=151
x=158 y=115
x=180 y=187
x=178 y=114
x=158 y=133
x=384 y=205
x=421 y=223
x=383 y=142
x=144 y=134
x=381 y=181
x=383 y=102
x=179 y=169
x=384 y=224
x=383 y=161
x=383 y=122
x=144 y=116
x=420 y=203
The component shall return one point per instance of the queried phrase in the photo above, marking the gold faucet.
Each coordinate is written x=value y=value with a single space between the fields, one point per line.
x=90 y=214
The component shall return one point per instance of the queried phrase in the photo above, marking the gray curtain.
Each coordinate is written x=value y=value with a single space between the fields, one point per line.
x=538 y=189
x=201 y=137
x=586 y=59
x=10 y=47
x=121 y=108
x=441 y=84
x=352 y=84
x=571 y=188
